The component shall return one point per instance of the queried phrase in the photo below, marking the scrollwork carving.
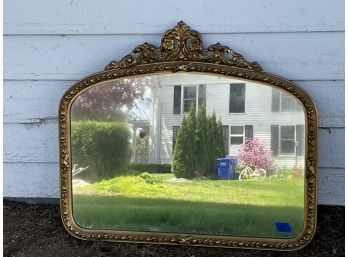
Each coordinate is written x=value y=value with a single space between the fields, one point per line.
x=183 y=44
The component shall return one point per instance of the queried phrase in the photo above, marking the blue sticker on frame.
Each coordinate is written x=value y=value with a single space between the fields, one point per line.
x=283 y=227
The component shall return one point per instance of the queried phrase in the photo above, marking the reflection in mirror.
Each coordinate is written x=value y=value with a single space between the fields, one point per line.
x=188 y=153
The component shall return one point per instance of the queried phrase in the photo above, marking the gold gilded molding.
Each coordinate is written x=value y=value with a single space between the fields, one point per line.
x=181 y=50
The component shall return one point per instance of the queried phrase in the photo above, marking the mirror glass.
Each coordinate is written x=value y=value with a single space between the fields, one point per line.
x=188 y=153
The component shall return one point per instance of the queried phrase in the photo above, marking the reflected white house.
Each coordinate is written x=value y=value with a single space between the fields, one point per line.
x=246 y=110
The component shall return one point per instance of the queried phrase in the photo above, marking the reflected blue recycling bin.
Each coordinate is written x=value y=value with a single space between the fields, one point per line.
x=226 y=167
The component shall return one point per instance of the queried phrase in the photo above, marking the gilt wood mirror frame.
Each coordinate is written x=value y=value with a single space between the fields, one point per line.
x=182 y=57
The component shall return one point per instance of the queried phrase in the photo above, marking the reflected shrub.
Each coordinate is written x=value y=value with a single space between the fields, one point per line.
x=150 y=167
x=102 y=146
x=148 y=178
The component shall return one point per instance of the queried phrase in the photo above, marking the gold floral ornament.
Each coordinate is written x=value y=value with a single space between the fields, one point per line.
x=183 y=44
x=168 y=44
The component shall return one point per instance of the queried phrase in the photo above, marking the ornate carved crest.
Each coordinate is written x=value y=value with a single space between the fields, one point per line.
x=183 y=44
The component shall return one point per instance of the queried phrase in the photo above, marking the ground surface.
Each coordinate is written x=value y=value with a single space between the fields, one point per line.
x=160 y=202
x=36 y=230
x=270 y=192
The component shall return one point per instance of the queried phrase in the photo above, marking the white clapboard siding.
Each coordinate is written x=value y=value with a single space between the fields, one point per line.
x=31 y=101
x=296 y=56
x=134 y=16
x=328 y=97
x=331 y=186
x=39 y=180
x=42 y=180
x=331 y=150
x=32 y=142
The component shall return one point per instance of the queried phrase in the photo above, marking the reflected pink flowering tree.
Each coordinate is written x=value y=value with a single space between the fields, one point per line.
x=254 y=153
x=105 y=102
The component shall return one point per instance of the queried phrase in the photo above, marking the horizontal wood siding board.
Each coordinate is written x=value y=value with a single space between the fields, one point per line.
x=31 y=180
x=292 y=55
x=122 y=17
x=32 y=101
x=42 y=180
x=37 y=142
x=328 y=97
x=331 y=186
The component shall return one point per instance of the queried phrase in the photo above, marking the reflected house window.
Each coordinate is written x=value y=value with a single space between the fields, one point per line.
x=237 y=98
x=189 y=98
x=186 y=95
x=282 y=102
x=287 y=139
x=225 y=131
x=239 y=133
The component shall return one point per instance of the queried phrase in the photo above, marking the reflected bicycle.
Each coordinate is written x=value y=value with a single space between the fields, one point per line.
x=249 y=173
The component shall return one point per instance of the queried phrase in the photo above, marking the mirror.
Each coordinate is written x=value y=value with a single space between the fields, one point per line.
x=203 y=158
x=188 y=153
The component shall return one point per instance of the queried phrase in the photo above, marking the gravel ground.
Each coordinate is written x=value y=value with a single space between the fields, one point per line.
x=36 y=230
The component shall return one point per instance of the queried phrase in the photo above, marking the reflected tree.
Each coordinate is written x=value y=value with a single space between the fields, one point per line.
x=110 y=101
x=196 y=158
x=254 y=153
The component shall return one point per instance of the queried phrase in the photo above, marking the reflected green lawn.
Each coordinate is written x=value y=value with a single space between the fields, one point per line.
x=161 y=203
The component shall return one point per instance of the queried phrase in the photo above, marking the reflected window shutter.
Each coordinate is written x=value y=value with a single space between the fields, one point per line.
x=177 y=100
x=175 y=135
x=201 y=94
x=300 y=139
x=275 y=139
x=237 y=98
x=275 y=100
x=225 y=132
x=249 y=131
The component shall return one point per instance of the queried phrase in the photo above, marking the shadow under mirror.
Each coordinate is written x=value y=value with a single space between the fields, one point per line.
x=188 y=153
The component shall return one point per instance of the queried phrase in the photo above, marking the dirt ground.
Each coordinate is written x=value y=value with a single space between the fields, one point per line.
x=36 y=230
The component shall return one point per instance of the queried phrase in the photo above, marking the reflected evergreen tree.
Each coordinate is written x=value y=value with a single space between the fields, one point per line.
x=202 y=142
x=183 y=164
x=199 y=142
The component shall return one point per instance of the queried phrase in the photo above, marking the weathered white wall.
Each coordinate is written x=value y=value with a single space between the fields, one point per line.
x=50 y=44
